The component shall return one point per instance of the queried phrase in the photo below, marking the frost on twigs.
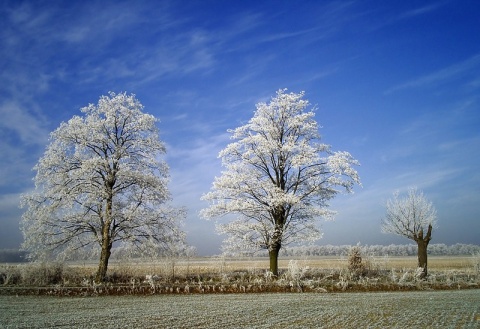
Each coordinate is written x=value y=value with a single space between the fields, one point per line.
x=356 y=264
x=278 y=178
x=476 y=262
x=413 y=217
x=101 y=184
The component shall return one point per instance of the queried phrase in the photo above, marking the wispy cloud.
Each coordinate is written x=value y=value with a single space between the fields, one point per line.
x=433 y=133
x=446 y=74
x=422 y=10
x=10 y=202
x=378 y=20
x=194 y=166
x=29 y=128
x=23 y=135
x=76 y=41
x=10 y=234
x=287 y=35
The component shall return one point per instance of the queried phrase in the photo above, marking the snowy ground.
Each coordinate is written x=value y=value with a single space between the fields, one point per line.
x=425 y=309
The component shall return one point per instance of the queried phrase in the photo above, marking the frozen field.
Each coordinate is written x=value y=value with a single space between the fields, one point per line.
x=426 y=309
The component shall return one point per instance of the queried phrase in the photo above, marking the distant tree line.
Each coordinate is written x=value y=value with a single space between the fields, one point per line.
x=12 y=256
x=438 y=249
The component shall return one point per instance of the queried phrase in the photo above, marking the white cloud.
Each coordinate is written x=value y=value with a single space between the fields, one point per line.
x=23 y=136
x=440 y=76
x=193 y=168
x=9 y=203
x=29 y=127
x=421 y=10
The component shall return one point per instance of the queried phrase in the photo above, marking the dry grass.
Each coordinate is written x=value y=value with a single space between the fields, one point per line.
x=217 y=265
x=222 y=275
x=212 y=265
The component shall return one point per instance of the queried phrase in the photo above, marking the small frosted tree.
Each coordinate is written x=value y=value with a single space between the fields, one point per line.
x=278 y=179
x=101 y=183
x=411 y=217
x=356 y=264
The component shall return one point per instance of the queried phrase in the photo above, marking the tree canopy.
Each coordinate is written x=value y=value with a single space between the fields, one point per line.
x=101 y=183
x=278 y=178
x=409 y=215
x=413 y=217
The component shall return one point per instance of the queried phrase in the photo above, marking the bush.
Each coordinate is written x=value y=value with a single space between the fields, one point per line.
x=356 y=265
x=41 y=274
x=9 y=275
x=295 y=272
x=125 y=278
x=476 y=262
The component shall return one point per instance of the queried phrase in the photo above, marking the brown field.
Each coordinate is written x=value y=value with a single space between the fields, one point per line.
x=214 y=265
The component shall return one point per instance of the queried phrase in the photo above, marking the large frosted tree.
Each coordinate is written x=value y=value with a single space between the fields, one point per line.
x=278 y=179
x=100 y=184
x=413 y=217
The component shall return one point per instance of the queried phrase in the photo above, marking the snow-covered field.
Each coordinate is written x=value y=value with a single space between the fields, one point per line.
x=432 y=309
x=425 y=309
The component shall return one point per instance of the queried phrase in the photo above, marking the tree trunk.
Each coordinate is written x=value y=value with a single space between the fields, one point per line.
x=104 y=257
x=422 y=256
x=276 y=241
x=422 y=243
x=106 y=235
x=273 y=254
x=106 y=241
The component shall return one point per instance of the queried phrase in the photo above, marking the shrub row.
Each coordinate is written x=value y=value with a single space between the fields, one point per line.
x=59 y=279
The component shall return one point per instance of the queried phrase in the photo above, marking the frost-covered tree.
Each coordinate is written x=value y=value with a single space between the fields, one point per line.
x=411 y=216
x=100 y=184
x=278 y=179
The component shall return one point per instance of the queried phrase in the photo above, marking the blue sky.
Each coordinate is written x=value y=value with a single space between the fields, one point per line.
x=396 y=83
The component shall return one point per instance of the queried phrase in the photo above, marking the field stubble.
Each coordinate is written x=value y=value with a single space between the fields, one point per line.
x=211 y=293
x=425 y=309
x=208 y=265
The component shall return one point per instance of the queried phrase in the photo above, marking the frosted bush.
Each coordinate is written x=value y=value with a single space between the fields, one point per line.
x=134 y=282
x=258 y=281
x=405 y=277
x=151 y=278
x=419 y=273
x=342 y=283
x=356 y=265
x=393 y=276
x=295 y=271
x=41 y=274
x=9 y=275
x=476 y=262
x=282 y=282
x=268 y=276
x=225 y=278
